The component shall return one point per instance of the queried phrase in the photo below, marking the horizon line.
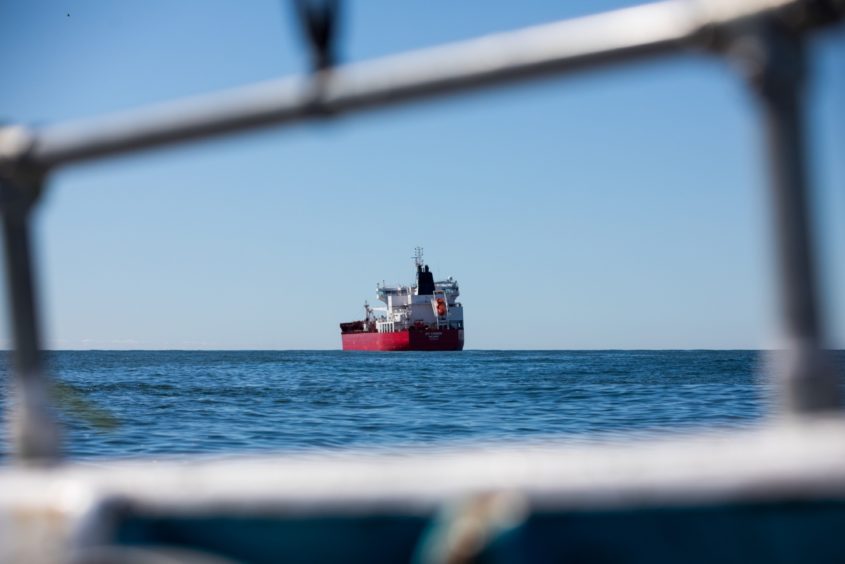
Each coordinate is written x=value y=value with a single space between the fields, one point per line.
x=617 y=349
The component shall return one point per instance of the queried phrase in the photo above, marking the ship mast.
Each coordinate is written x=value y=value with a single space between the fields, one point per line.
x=418 y=257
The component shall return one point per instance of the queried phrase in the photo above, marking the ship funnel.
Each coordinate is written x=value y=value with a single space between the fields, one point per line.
x=425 y=281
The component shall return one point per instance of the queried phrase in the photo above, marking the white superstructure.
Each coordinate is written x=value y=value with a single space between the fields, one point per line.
x=425 y=304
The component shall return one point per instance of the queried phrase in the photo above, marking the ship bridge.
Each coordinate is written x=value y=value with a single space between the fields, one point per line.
x=450 y=288
x=427 y=303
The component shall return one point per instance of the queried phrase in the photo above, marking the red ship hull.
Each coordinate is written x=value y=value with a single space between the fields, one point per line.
x=408 y=340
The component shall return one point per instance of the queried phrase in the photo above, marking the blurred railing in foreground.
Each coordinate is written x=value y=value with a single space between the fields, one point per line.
x=765 y=39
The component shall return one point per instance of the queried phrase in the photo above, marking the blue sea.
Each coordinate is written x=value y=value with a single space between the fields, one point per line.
x=122 y=404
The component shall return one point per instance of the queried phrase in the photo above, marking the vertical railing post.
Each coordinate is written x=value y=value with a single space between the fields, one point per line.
x=774 y=59
x=34 y=428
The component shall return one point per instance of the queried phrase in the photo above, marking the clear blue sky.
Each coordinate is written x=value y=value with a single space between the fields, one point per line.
x=616 y=209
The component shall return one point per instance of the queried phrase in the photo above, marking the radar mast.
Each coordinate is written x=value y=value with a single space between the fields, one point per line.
x=418 y=257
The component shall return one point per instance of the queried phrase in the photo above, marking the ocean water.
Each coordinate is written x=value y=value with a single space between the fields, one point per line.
x=169 y=403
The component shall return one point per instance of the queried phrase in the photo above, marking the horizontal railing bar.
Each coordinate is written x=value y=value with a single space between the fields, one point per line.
x=628 y=34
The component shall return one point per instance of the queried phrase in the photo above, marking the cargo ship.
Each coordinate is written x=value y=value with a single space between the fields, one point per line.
x=423 y=317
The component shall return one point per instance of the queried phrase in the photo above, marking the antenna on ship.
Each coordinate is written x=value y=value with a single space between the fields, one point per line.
x=418 y=257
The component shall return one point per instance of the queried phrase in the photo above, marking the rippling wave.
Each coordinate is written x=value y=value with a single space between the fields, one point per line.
x=174 y=402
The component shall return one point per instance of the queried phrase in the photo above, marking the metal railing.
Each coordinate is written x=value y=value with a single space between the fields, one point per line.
x=766 y=38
